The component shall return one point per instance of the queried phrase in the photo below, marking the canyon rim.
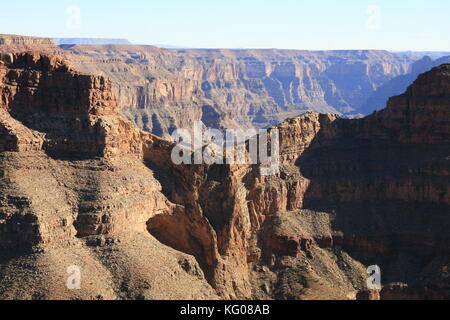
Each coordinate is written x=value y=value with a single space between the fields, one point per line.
x=154 y=172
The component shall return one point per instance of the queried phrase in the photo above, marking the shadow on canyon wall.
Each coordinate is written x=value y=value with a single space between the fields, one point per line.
x=386 y=202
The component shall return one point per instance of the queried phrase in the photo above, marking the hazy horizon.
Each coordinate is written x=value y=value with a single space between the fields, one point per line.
x=103 y=41
x=251 y=24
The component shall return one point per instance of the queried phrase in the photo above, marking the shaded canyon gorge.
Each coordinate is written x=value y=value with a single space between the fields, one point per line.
x=86 y=176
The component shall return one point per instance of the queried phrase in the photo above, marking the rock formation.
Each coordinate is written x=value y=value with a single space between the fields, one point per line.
x=81 y=186
x=384 y=182
x=16 y=43
x=161 y=90
x=350 y=194
x=75 y=192
x=398 y=85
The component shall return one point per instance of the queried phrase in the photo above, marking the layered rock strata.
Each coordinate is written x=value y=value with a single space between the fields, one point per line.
x=384 y=181
x=82 y=186
x=161 y=90
x=75 y=192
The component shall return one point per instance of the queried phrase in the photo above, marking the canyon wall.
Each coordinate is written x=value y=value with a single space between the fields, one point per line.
x=350 y=194
x=398 y=85
x=74 y=191
x=80 y=185
x=384 y=182
x=161 y=90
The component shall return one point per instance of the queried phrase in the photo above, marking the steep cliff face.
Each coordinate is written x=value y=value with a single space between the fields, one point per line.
x=350 y=194
x=16 y=43
x=161 y=90
x=75 y=192
x=27 y=42
x=398 y=85
x=384 y=180
x=82 y=186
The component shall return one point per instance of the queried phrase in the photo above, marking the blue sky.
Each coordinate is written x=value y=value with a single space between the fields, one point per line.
x=285 y=24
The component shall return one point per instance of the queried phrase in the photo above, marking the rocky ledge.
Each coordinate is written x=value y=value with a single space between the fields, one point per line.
x=81 y=186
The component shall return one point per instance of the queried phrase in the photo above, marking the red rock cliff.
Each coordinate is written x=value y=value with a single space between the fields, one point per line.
x=81 y=185
x=74 y=191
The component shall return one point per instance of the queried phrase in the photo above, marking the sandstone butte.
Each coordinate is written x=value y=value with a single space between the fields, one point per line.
x=81 y=185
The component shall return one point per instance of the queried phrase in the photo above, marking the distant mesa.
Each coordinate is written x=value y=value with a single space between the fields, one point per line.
x=17 y=41
x=90 y=41
x=170 y=46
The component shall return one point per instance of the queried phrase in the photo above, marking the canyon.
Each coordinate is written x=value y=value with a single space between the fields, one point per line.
x=161 y=90
x=80 y=184
x=235 y=88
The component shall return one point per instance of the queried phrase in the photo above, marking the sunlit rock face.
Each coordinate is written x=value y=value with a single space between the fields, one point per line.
x=74 y=191
x=384 y=180
x=350 y=194
x=161 y=90
x=81 y=185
